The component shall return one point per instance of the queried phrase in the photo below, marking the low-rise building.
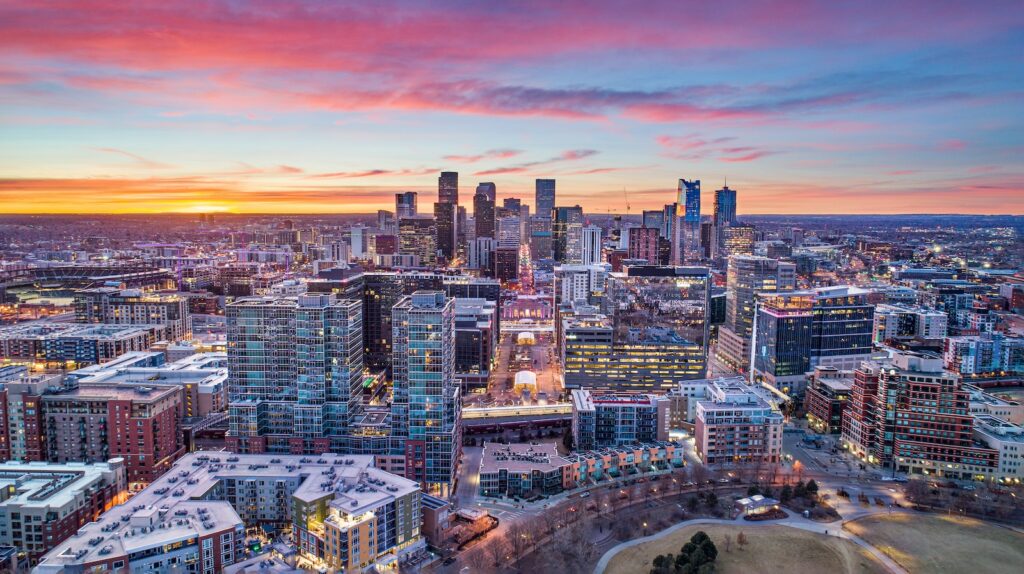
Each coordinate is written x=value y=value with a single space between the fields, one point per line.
x=826 y=398
x=608 y=419
x=43 y=504
x=1006 y=438
x=525 y=469
x=984 y=403
x=63 y=345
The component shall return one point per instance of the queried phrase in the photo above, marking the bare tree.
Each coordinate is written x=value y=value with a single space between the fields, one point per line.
x=476 y=559
x=497 y=550
x=519 y=539
x=728 y=542
x=741 y=539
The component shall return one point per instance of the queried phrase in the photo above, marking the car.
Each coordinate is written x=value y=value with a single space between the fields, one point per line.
x=585 y=494
x=723 y=481
x=449 y=561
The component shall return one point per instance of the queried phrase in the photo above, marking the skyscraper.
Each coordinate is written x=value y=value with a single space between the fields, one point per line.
x=405 y=204
x=689 y=198
x=448 y=187
x=426 y=406
x=746 y=277
x=725 y=207
x=418 y=236
x=591 y=245
x=483 y=211
x=643 y=244
x=489 y=189
x=545 y=197
x=446 y=215
x=567 y=234
x=295 y=369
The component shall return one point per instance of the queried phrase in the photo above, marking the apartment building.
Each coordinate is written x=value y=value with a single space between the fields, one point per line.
x=737 y=426
x=606 y=419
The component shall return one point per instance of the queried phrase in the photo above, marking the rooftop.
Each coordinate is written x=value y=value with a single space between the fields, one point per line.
x=172 y=507
x=49 y=485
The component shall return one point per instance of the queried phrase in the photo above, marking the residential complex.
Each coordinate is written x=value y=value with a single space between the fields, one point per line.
x=344 y=513
x=737 y=426
x=604 y=419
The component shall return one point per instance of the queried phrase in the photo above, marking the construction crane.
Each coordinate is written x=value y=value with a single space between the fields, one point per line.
x=626 y=196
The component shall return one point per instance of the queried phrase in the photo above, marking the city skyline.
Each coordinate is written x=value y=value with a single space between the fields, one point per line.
x=310 y=108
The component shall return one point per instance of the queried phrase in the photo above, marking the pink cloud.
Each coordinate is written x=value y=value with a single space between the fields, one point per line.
x=489 y=154
x=952 y=145
x=139 y=160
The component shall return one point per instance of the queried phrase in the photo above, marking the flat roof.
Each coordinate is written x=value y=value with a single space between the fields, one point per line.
x=47 y=485
x=171 y=508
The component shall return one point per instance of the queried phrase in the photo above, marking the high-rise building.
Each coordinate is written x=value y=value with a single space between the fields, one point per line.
x=545 y=197
x=654 y=219
x=426 y=404
x=567 y=234
x=655 y=336
x=508 y=230
x=689 y=198
x=747 y=276
x=405 y=205
x=295 y=372
x=513 y=204
x=841 y=321
x=540 y=237
x=483 y=212
x=506 y=263
x=580 y=283
x=445 y=214
x=94 y=423
x=488 y=189
x=481 y=255
x=448 y=187
x=591 y=245
x=725 y=207
x=643 y=244
x=736 y=239
x=418 y=236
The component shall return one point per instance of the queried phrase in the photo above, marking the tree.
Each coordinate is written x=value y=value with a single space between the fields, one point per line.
x=706 y=568
x=567 y=440
x=519 y=539
x=711 y=500
x=786 y=493
x=497 y=550
x=728 y=542
x=709 y=549
x=691 y=503
x=812 y=487
x=476 y=559
x=741 y=539
x=752 y=490
x=799 y=491
x=699 y=537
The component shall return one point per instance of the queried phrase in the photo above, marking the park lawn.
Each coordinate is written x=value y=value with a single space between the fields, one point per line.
x=939 y=544
x=770 y=549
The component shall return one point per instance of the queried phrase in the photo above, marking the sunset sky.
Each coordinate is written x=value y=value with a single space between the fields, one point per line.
x=287 y=107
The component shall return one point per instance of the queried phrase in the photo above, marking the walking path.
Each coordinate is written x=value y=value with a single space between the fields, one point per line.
x=828 y=529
